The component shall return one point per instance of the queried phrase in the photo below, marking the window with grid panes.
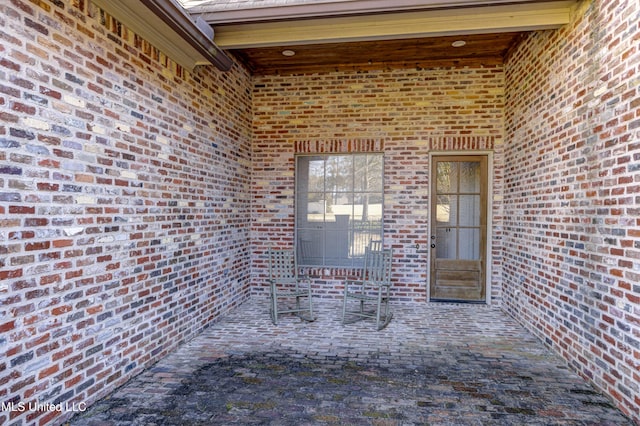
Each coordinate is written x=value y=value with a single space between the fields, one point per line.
x=339 y=204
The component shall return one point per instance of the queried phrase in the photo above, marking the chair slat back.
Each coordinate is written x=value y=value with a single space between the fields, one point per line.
x=282 y=265
x=374 y=245
x=377 y=263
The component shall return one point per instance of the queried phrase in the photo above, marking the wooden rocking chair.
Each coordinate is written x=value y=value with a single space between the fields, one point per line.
x=286 y=285
x=372 y=288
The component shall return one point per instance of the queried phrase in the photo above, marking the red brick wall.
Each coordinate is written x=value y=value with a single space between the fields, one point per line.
x=404 y=113
x=572 y=194
x=124 y=203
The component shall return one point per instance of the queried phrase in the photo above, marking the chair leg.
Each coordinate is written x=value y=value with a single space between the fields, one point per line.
x=383 y=303
x=298 y=310
x=378 y=308
x=344 y=302
x=274 y=307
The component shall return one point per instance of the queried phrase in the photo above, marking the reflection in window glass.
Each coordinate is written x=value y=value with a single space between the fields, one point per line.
x=338 y=207
x=470 y=176
x=470 y=210
x=447 y=243
x=470 y=250
x=447 y=175
x=446 y=210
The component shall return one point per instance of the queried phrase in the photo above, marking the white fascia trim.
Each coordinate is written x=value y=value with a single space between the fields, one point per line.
x=258 y=12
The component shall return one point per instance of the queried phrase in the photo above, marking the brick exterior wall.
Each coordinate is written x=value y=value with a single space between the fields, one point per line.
x=124 y=203
x=404 y=113
x=572 y=194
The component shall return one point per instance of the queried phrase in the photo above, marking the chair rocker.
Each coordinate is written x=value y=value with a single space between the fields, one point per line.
x=371 y=291
x=286 y=287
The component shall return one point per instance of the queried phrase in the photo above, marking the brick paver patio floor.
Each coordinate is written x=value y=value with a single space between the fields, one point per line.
x=435 y=364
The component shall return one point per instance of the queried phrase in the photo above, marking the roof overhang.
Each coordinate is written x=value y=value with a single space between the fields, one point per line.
x=167 y=25
x=432 y=22
x=234 y=12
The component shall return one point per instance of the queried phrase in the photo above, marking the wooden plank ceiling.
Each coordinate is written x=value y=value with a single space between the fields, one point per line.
x=429 y=52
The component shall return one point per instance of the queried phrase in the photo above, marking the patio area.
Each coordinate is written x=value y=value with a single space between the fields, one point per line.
x=450 y=364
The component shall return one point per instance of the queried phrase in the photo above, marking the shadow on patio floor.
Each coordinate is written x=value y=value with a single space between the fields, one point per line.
x=441 y=364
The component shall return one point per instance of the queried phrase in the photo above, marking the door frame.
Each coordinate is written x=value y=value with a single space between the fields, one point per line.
x=489 y=239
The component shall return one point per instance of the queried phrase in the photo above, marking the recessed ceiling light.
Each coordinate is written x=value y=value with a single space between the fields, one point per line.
x=288 y=52
x=458 y=43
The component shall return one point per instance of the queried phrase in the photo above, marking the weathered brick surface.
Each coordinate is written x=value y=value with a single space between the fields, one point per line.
x=572 y=193
x=124 y=202
x=404 y=113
